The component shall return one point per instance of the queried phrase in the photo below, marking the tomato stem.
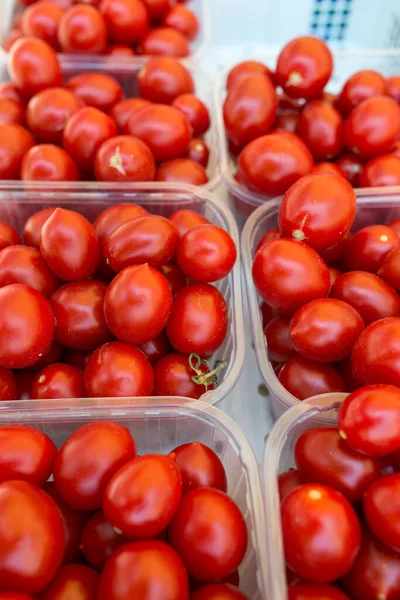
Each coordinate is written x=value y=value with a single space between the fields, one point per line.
x=298 y=235
x=208 y=378
x=295 y=78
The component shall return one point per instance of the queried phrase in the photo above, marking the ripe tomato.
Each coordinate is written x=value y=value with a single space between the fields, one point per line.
x=21 y=264
x=124 y=158
x=119 y=50
x=163 y=128
x=185 y=219
x=100 y=540
x=199 y=320
x=287 y=121
x=49 y=111
x=122 y=111
x=7 y=384
x=33 y=227
x=156 y=348
x=158 y=8
x=381 y=171
x=174 y=276
x=393 y=87
x=137 y=304
x=23 y=383
x=15 y=141
x=360 y=86
x=287 y=482
x=184 y=20
x=82 y=29
x=137 y=569
x=73 y=581
x=10 y=91
x=321 y=128
x=126 y=20
x=199 y=467
x=13 y=36
x=8 y=236
x=11 y=111
x=244 y=69
x=41 y=21
x=33 y=66
x=173 y=377
x=58 y=381
x=303 y=590
x=304 y=67
x=14 y=596
x=351 y=166
x=54 y=353
x=277 y=336
x=198 y=151
x=162 y=79
x=29 y=520
x=218 y=591
x=196 y=112
x=120 y=370
x=97 y=89
x=389 y=269
x=182 y=170
x=305 y=378
x=382 y=511
x=368 y=248
x=165 y=41
x=46 y=162
x=114 y=216
x=327 y=167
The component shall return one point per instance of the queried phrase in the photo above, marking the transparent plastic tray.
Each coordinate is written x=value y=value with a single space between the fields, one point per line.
x=159 y=429
x=374 y=205
x=126 y=73
x=9 y=9
x=18 y=203
x=346 y=63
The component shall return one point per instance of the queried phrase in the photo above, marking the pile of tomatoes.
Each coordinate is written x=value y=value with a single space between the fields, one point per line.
x=282 y=125
x=86 y=129
x=120 y=307
x=331 y=310
x=346 y=545
x=112 y=525
x=121 y=28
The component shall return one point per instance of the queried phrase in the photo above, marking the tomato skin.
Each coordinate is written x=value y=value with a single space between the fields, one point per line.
x=305 y=378
x=327 y=167
x=182 y=170
x=15 y=141
x=389 y=269
x=162 y=79
x=73 y=581
x=272 y=234
x=122 y=111
x=58 y=381
x=46 y=162
x=33 y=66
x=156 y=348
x=165 y=41
x=82 y=29
x=321 y=128
x=135 y=569
x=21 y=264
x=173 y=377
x=120 y=370
x=351 y=166
x=8 y=236
x=119 y=50
x=393 y=87
x=277 y=336
x=218 y=591
x=288 y=288
x=198 y=321
x=48 y=112
x=186 y=219
x=184 y=20
x=33 y=227
x=126 y=20
x=313 y=591
x=97 y=89
x=41 y=21
x=10 y=91
x=309 y=210
x=287 y=482
x=100 y=540
x=381 y=510
x=367 y=248
x=244 y=69
x=114 y=216
x=381 y=171
x=198 y=151
x=11 y=111
x=360 y=86
x=124 y=158
x=54 y=353
x=199 y=467
x=14 y=596
x=77 y=358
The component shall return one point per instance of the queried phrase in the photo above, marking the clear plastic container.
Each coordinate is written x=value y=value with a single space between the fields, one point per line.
x=159 y=429
x=126 y=73
x=386 y=62
x=10 y=9
x=375 y=205
x=18 y=202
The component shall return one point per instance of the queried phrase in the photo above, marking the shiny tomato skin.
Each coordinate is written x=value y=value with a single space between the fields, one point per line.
x=304 y=67
x=321 y=129
x=124 y=158
x=58 y=381
x=33 y=66
x=183 y=20
x=358 y=87
x=163 y=78
x=351 y=166
x=54 y=353
x=137 y=568
x=14 y=596
x=158 y=8
x=328 y=167
x=198 y=151
x=271 y=234
x=199 y=466
x=288 y=288
x=381 y=171
x=119 y=370
x=8 y=236
x=185 y=219
x=122 y=111
x=165 y=41
x=313 y=591
x=244 y=69
x=97 y=89
x=73 y=581
x=173 y=377
x=21 y=264
x=174 y=276
x=287 y=482
x=126 y=20
x=368 y=248
x=309 y=210
x=15 y=142
x=33 y=227
x=120 y=50
x=277 y=336
x=99 y=540
x=218 y=591
x=137 y=304
x=11 y=111
x=48 y=113
x=306 y=378
x=41 y=21
x=69 y=245
x=390 y=268
x=82 y=29
x=198 y=321
x=88 y=459
x=47 y=162
x=381 y=510
x=114 y=216
x=182 y=170
x=156 y=348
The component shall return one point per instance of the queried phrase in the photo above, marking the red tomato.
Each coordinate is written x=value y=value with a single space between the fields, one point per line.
x=322 y=545
x=321 y=128
x=126 y=20
x=88 y=459
x=210 y=548
x=13 y=36
x=366 y=420
x=382 y=511
x=309 y=210
x=119 y=50
x=124 y=158
x=286 y=121
x=287 y=274
x=334 y=273
x=195 y=110
x=163 y=128
x=277 y=336
x=10 y=91
x=373 y=127
x=137 y=304
x=41 y=21
x=272 y=163
x=182 y=170
x=173 y=377
x=165 y=41
x=97 y=89
x=137 y=569
x=199 y=467
x=244 y=69
x=327 y=167
x=84 y=134
x=21 y=264
x=162 y=79
x=46 y=162
x=156 y=348
x=184 y=20
x=59 y=381
x=122 y=111
x=389 y=269
x=393 y=87
x=158 y=8
x=198 y=151
x=33 y=66
x=100 y=540
x=82 y=30
x=370 y=295
x=381 y=171
x=287 y=482
x=114 y=216
x=7 y=385
x=368 y=248
x=11 y=111
x=174 y=276
x=360 y=86
x=351 y=166
x=218 y=591
x=120 y=370
x=15 y=141
x=48 y=112
x=77 y=358
x=249 y=109
x=305 y=378
x=73 y=581
x=304 y=67
x=199 y=320
x=31 y=537
x=14 y=596
x=272 y=234
x=54 y=353
x=186 y=219
x=33 y=227
x=303 y=590
x=23 y=382
x=8 y=236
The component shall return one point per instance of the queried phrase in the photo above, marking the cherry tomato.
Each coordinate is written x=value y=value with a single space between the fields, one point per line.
x=277 y=335
x=69 y=245
x=327 y=167
x=321 y=128
x=59 y=381
x=368 y=248
x=15 y=141
x=48 y=112
x=33 y=227
x=10 y=91
x=334 y=273
x=198 y=151
x=21 y=264
x=218 y=591
x=100 y=540
x=13 y=36
x=304 y=67
x=124 y=158
x=156 y=348
x=29 y=520
x=162 y=79
x=305 y=378
x=137 y=569
x=199 y=467
x=33 y=66
x=382 y=511
x=23 y=383
x=120 y=50
x=199 y=319
x=11 y=111
x=393 y=87
x=82 y=29
x=389 y=269
x=182 y=170
x=314 y=591
x=174 y=276
x=272 y=163
x=41 y=21
x=126 y=20
x=73 y=581
x=8 y=236
x=54 y=353
x=360 y=86
x=165 y=41
x=14 y=596
x=196 y=112
x=244 y=69
x=173 y=377
x=119 y=370
x=46 y=162
x=97 y=89
x=186 y=219
x=114 y=216
x=381 y=171
x=122 y=111
x=184 y=20
x=351 y=166
x=287 y=482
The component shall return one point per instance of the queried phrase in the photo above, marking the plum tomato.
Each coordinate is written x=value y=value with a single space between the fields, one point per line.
x=287 y=274
x=309 y=210
x=126 y=20
x=381 y=171
x=249 y=109
x=79 y=315
x=21 y=264
x=368 y=247
x=137 y=568
x=287 y=121
x=173 y=377
x=393 y=87
x=304 y=67
x=11 y=111
x=46 y=162
x=137 y=304
x=82 y=29
x=124 y=158
x=119 y=370
x=368 y=420
x=165 y=41
x=73 y=581
x=198 y=321
x=8 y=236
x=334 y=273
x=321 y=129
x=162 y=79
x=196 y=112
x=49 y=111
x=33 y=227
x=100 y=540
x=244 y=69
x=272 y=163
x=277 y=336
x=41 y=21
x=382 y=511
x=26 y=334
x=306 y=378
x=390 y=268
x=33 y=66
x=114 y=216
x=119 y=50
x=287 y=482
x=358 y=87
x=182 y=170
x=184 y=20
x=158 y=8
x=32 y=540
x=185 y=219
x=174 y=276
x=10 y=91
x=163 y=128
x=97 y=89
x=23 y=383
x=328 y=167
x=58 y=381
x=69 y=245
x=156 y=348
x=218 y=591
x=302 y=590
x=122 y=111
x=88 y=459
x=199 y=467
x=13 y=36
x=15 y=141
x=351 y=166
x=271 y=234
x=198 y=151
x=210 y=548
